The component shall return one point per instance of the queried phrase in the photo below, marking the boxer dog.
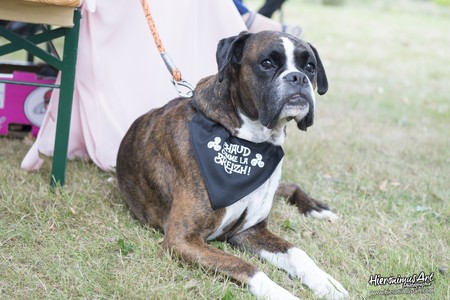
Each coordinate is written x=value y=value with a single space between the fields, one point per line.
x=184 y=168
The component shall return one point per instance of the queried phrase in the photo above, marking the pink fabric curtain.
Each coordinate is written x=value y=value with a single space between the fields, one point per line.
x=120 y=74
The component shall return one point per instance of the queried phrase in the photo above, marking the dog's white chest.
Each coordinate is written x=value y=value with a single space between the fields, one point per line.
x=257 y=205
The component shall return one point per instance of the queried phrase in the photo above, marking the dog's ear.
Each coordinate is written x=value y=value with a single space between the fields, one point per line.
x=322 y=81
x=229 y=52
x=322 y=88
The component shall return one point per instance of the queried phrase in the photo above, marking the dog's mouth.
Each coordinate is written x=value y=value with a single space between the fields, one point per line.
x=296 y=107
x=298 y=101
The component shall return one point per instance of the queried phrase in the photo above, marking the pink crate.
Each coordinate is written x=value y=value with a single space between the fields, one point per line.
x=22 y=106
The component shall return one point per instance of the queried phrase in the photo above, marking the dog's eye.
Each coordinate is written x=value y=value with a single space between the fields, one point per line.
x=267 y=64
x=311 y=68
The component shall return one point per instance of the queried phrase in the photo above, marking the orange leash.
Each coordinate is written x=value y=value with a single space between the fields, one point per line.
x=177 y=79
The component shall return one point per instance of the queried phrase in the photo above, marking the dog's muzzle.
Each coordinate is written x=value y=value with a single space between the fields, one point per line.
x=299 y=102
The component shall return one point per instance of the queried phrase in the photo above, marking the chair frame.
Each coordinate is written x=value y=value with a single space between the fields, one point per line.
x=67 y=66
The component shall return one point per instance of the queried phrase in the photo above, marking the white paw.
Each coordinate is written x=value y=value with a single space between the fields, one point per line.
x=324 y=214
x=264 y=288
x=324 y=286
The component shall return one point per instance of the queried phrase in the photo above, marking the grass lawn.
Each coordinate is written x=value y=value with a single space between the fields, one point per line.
x=379 y=153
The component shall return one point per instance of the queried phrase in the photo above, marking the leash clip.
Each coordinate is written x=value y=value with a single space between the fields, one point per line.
x=184 y=89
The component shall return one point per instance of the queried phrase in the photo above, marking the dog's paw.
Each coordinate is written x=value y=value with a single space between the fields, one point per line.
x=324 y=214
x=318 y=210
x=324 y=286
x=264 y=288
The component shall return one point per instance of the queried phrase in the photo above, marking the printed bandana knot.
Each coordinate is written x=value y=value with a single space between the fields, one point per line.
x=231 y=167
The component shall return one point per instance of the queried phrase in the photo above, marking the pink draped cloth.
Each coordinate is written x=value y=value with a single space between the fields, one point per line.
x=120 y=74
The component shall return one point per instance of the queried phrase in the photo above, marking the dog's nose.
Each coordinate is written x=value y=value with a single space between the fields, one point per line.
x=296 y=78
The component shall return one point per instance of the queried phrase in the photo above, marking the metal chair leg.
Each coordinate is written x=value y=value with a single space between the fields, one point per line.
x=65 y=102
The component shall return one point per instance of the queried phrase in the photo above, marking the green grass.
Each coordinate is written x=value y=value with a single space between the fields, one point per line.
x=378 y=153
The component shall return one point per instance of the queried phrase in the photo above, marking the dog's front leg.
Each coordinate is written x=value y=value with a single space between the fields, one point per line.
x=195 y=250
x=267 y=245
x=306 y=204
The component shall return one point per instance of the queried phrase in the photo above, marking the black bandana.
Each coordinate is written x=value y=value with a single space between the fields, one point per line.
x=231 y=167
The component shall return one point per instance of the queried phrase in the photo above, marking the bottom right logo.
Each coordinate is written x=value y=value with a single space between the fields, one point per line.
x=420 y=283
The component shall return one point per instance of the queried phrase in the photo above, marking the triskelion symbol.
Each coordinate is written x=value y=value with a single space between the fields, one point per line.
x=215 y=144
x=258 y=161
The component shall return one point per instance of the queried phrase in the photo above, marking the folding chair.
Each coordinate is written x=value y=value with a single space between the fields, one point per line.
x=65 y=15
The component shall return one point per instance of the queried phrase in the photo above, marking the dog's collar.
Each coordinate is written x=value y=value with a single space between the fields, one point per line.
x=231 y=167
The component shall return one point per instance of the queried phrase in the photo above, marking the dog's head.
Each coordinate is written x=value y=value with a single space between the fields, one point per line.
x=272 y=77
